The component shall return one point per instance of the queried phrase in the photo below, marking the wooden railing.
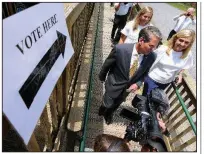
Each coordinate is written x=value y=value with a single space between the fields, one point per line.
x=49 y=130
x=182 y=137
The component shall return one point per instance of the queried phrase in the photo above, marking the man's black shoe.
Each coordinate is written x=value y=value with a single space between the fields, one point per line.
x=113 y=43
x=101 y=110
x=108 y=119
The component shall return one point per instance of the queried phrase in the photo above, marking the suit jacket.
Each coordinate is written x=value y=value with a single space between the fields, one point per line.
x=117 y=66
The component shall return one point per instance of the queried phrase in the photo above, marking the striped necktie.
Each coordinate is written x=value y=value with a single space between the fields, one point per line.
x=133 y=68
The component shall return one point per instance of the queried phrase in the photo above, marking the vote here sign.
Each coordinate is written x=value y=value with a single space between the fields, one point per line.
x=36 y=49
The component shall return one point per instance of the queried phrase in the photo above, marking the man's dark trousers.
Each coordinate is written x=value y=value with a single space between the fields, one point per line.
x=111 y=106
x=171 y=34
x=119 y=23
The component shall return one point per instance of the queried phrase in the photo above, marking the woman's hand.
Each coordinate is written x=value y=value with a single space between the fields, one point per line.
x=179 y=79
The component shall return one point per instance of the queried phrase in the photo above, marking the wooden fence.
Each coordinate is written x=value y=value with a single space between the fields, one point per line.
x=182 y=136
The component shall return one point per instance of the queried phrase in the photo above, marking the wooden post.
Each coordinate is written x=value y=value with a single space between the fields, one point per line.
x=33 y=144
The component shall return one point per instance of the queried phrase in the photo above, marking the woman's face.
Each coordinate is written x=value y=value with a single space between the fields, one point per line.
x=182 y=43
x=145 y=18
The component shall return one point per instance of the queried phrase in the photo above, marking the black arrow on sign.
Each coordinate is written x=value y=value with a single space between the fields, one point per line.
x=31 y=86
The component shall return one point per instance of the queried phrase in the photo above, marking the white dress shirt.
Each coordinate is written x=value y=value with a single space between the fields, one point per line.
x=123 y=9
x=187 y=21
x=135 y=55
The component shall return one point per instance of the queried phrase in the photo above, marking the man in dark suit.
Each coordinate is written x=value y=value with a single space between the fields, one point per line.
x=120 y=63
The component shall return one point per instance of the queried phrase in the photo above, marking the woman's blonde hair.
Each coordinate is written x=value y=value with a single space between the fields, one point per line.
x=144 y=10
x=186 y=33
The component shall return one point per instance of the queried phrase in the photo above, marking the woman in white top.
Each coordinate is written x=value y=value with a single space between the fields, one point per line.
x=130 y=32
x=171 y=61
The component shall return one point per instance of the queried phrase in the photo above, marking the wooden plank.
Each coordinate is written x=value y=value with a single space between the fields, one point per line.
x=179 y=86
x=11 y=10
x=181 y=121
x=176 y=107
x=174 y=110
x=180 y=135
x=49 y=130
x=166 y=118
x=170 y=121
x=182 y=91
x=179 y=113
x=7 y=9
x=189 y=142
x=33 y=144
x=190 y=94
x=6 y=126
x=73 y=16
x=64 y=90
x=11 y=139
x=44 y=128
x=173 y=101
x=172 y=94
x=53 y=109
x=59 y=97
x=167 y=143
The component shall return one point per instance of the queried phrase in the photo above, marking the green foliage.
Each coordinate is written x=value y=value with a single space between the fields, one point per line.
x=183 y=6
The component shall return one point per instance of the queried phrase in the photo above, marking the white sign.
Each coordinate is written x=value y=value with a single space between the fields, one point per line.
x=36 y=49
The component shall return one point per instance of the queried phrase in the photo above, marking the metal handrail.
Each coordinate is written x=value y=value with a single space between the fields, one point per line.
x=184 y=108
x=89 y=92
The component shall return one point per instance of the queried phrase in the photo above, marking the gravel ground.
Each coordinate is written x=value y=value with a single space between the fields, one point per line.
x=163 y=19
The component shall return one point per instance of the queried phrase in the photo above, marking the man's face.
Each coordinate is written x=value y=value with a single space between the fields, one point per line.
x=146 y=48
x=182 y=43
x=190 y=11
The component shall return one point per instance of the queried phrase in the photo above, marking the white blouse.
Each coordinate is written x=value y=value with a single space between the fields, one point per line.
x=132 y=35
x=166 y=67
